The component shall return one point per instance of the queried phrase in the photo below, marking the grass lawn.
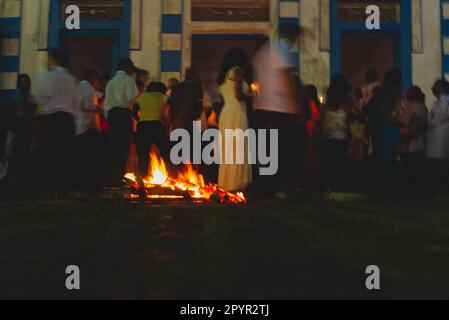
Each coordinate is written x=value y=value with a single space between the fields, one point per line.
x=284 y=250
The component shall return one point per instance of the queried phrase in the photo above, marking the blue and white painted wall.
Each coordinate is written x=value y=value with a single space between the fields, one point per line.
x=161 y=31
x=426 y=47
x=289 y=13
x=445 y=37
x=171 y=39
x=10 y=26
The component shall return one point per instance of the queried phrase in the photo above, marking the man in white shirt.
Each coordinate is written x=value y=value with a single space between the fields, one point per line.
x=87 y=119
x=121 y=93
x=277 y=102
x=90 y=142
x=60 y=99
x=438 y=138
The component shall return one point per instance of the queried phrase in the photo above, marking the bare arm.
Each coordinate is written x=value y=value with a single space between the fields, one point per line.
x=238 y=84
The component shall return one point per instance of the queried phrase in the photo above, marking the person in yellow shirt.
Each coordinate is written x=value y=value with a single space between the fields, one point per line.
x=151 y=128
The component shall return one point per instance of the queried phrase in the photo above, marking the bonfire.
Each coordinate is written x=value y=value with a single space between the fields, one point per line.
x=188 y=185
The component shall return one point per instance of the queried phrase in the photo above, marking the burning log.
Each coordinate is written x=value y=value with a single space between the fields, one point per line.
x=189 y=186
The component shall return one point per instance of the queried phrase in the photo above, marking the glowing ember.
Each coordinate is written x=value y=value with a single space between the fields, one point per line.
x=159 y=185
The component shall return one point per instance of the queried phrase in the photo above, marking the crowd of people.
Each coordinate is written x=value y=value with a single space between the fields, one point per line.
x=85 y=134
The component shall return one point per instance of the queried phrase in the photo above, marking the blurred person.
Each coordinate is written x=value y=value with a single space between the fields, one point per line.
x=90 y=143
x=26 y=105
x=104 y=124
x=297 y=129
x=235 y=91
x=185 y=104
x=335 y=132
x=276 y=100
x=371 y=83
x=311 y=100
x=121 y=93
x=357 y=145
x=172 y=83
x=384 y=130
x=191 y=76
x=185 y=107
x=143 y=79
x=61 y=99
x=151 y=128
x=412 y=149
x=438 y=138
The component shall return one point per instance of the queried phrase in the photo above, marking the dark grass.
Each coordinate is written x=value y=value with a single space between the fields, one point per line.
x=287 y=250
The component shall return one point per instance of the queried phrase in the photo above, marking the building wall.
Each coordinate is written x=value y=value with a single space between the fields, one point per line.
x=152 y=37
x=33 y=39
x=315 y=61
x=147 y=56
x=445 y=37
x=10 y=20
x=426 y=62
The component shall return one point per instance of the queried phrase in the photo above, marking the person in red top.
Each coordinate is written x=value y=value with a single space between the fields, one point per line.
x=312 y=102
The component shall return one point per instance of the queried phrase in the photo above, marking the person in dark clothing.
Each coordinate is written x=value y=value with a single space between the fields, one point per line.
x=61 y=99
x=277 y=106
x=335 y=132
x=90 y=144
x=383 y=128
x=26 y=104
x=413 y=121
x=121 y=93
x=186 y=105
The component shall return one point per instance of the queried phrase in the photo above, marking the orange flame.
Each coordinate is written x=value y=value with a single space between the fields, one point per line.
x=158 y=174
x=188 y=181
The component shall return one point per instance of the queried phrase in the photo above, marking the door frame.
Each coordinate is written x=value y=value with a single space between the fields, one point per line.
x=57 y=29
x=96 y=33
x=402 y=31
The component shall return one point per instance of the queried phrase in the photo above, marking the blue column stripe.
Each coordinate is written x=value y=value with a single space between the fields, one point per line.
x=444 y=34
x=10 y=27
x=7 y=96
x=9 y=63
x=288 y=20
x=171 y=61
x=172 y=23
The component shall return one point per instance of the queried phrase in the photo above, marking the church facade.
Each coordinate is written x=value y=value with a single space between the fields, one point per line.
x=167 y=36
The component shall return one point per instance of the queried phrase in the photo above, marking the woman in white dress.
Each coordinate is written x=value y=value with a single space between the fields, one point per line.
x=235 y=90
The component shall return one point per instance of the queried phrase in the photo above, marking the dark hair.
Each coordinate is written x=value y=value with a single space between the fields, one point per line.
x=415 y=94
x=173 y=81
x=310 y=92
x=142 y=72
x=289 y=30
x=124 y=63
x=105 y=77
x=24 y=77
x=337 y=94
x=90 y=74
x=393 y=79
x=440 y=87
x=191 y=75
x=235 y=57
x=371 y=76
x=157 y=87
x=60 y=56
